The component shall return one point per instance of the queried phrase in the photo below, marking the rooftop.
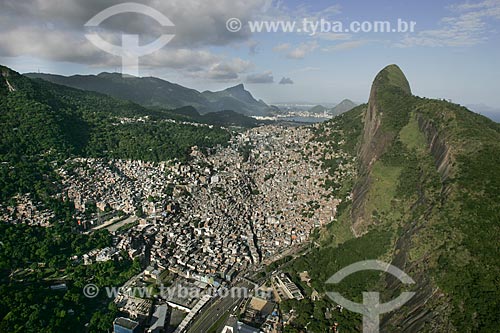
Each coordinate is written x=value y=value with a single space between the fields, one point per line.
x=125 y=322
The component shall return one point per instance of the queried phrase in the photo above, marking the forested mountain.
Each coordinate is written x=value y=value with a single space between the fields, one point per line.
x=318 y=109
x=343 y=106
x=42 y=123
x=154 y=92
x=427 y=200
x=218 y=118
x=425 y=197
x=340 y=108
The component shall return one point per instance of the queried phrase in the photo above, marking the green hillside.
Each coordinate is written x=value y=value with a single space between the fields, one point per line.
x=318 y=109
x=155 y=92
x=225 y=118
x=42 y=124
x=344 y=106
x=426 y=199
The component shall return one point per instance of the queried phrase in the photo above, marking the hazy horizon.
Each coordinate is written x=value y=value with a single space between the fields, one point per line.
x=451 y=54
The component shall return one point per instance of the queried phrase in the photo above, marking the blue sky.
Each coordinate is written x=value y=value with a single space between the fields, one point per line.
x=454 y=52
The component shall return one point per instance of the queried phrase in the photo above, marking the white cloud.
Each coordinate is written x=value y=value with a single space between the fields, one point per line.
x=305 y=11
x=330 y=11
x=253 y=47
x=488 y=4
x=346 y=45
x=225 y=71
x=266 y=77
x=54 y=30
x=307 y=69
x=197 y=23
x=180 y=58
x=302 y=50
x=467 y=27
x=281 y=47
x=333 y=36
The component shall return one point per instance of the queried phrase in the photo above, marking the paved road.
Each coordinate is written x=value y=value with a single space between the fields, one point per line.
x=208 y=317
x=218 y=307
x=115 y=226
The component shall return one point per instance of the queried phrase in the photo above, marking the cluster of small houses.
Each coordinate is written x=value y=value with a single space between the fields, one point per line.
x=26 y=211
x=210 y=219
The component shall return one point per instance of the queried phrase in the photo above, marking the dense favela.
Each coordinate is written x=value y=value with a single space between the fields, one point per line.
x=249 y=166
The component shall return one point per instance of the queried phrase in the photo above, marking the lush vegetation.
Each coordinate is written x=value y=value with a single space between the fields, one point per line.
x=347 y=127
x=392 y=98
x=342 y=133
x=33 y=258
x=457 y=211
x=42 y=124
x=144 y=91
x=469 y=258
x=152 y=142
x=219 y=118
x=154 y=92
x=321 y=263
x=441 y=227
x=448 y=222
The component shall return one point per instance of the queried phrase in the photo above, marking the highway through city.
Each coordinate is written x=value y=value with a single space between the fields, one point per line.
x=217 y=308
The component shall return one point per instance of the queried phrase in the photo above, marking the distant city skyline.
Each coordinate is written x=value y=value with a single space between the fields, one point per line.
x=453 y=53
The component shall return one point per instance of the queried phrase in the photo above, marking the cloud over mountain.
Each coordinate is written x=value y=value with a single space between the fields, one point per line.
x=266 y=77
x=54 y=31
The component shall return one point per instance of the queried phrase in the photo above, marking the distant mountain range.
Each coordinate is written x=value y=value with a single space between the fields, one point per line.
x=219 y=118
x=42 y=123
x=340 y=108
x=155 y=92
x=425 y=195
x=318 y=109
x=492 y=113
x=344 y=106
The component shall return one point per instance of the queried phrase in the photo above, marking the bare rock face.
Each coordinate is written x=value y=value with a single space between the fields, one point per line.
x=388 y=111
x=438 y=147
x=390 y=80
x=4 y=88
x=5 y=85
